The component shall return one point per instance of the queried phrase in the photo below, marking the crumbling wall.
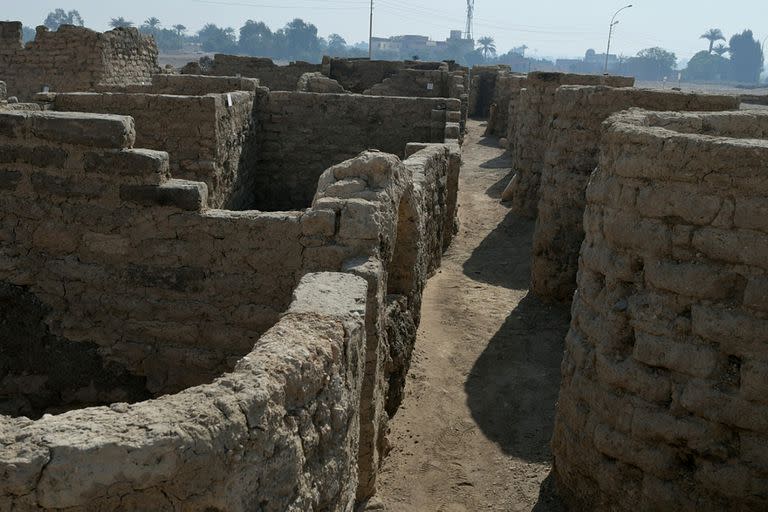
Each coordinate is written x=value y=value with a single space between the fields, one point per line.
x=533 y=123
x=414 y=83
x=359 y=75
x=128 y=260
x=186 y=85
x=302 y=134
x=318 y=82
x=483 y=89
x=74 y=59
x=663 y=398
x=270 y=75
x=506 y=93
x=212 y=152
x=133 y=266
x=280 y=432
x=572 y=154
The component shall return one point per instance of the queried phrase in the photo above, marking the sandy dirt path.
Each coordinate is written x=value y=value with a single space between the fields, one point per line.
x=473 y=431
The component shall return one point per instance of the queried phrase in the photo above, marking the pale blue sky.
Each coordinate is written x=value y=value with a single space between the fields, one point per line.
x=549 y=28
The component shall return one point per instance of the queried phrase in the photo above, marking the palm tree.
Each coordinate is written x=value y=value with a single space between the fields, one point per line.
x=180 y=29
x=713 y=34
x=152 y=25
x=487 y=46
x=721 y=49
x=120 y=23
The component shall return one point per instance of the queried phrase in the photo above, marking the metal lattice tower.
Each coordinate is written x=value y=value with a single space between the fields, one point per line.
x=470 y=16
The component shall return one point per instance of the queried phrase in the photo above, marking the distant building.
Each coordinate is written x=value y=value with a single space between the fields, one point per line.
x=592 y=63
x=415 y=44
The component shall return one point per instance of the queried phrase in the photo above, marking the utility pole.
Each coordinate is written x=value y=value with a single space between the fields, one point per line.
x=610 y=34
x=370 y=35
x=470 y=17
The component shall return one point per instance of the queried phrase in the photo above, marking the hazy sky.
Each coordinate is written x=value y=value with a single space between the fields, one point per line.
x=549 y=28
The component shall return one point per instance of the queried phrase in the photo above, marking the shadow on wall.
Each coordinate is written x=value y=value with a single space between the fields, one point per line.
x=491 y=261
x=513 y=386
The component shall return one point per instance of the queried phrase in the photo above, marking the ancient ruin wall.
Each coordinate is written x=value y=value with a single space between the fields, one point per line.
x=506 y=93
x=572 y=153
x=276 y=78
x=302 y=134
x=74 y=59
x=533 y=123
x=203 y=135
x=130 y=269
x=280 y=432
x=663 y=398
x=124 y=259
x=184 y=85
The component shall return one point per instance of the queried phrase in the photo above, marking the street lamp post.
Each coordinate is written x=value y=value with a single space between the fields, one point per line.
x=610 y=34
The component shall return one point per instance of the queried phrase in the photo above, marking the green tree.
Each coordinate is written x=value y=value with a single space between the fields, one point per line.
x=301 y=41
x=256 y=38
x=705 y=66
x=721 y=49
x=746 y=57
x=713 y=35
x=120 y=23
x=217 y=39
x=487 y=46
x=27 y=33
x=180 y=30
x=151 y=25
x=61 y=17
x=337 y=46
x=650 y=64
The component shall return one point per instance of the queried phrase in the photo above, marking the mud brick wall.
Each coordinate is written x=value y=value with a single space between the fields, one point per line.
x=302 y=134
x=131 y=266
x=506 y=93
x=281 y=431
x=414 y=83
x=203 y=135
x=359 y=75
x=74 y=59
x=533 y=123
x=276 y=78
x=186 y=85
x=125 y=259
x=663 y=398
x=572 y=154
x=483 y=89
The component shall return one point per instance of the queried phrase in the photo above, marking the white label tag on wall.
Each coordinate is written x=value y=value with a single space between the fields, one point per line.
x=430 y=86
x=229 y=99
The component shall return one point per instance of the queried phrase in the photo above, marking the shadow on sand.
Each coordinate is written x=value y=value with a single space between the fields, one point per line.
x=492 y=261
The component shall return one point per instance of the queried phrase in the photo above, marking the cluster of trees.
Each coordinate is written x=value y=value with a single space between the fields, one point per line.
x=298 y=40
x=740 y=61
x=649 y=64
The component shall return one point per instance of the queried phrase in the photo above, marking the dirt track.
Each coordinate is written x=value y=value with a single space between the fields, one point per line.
x=473 y=432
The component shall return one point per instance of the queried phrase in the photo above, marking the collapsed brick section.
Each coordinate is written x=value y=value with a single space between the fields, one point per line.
x=133 y=266
x=533 y=122
x=73 y=59
x=572 y=154
x=663 y=399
